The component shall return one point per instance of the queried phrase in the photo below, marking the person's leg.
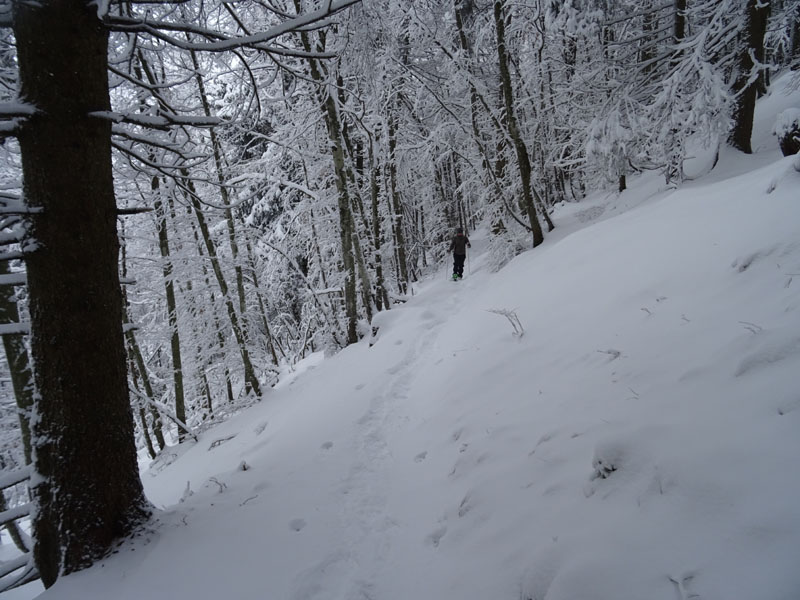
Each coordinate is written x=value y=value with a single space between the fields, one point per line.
x=459 y=264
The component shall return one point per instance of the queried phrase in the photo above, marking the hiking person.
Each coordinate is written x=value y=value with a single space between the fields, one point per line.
x=459 y=247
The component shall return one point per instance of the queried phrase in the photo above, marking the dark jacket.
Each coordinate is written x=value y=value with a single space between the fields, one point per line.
x=459 y=244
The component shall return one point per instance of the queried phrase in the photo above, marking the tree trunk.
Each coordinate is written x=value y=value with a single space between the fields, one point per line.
x=216 y=148
x=795 y=58
x=523 y=159
x=151 y=450
x=261 y=306
x=396 y=207
x=217 y=324
x=346 y=226
x=381 y=296
x=138 y=367
x=679 y=21
x=250 y=379
x=746 y=90
x=172 y=308
x=88 y=492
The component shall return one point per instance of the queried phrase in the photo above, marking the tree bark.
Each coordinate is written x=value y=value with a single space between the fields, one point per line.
x=172 y=308
x=261 y=306
x=216 y=148
x=523 y=159
x=679 y=21
x=396 y=204
x=381 y=295
x=138 y=367
x=88 y=492
x=746 y=90
x=346 y=226
x=250 y=379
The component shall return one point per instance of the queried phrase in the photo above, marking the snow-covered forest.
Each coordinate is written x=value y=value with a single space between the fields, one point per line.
x=201 y=198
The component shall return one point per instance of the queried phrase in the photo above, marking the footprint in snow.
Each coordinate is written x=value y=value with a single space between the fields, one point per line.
x=297 y=524
x=436 y=536
x=421 y=456
x=326 y=446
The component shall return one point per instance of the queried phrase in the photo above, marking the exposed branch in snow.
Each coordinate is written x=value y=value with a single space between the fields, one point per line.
x=222 y=486
x=512 y=317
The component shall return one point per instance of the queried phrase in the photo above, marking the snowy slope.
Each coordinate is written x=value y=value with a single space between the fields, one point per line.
x=639 y=441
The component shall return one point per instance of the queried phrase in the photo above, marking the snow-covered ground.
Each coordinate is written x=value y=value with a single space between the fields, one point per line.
x=639 y=441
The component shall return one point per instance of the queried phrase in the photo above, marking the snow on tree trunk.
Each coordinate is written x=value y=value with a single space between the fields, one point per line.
x=86 y=487
x=746 y=84
x=523 y=160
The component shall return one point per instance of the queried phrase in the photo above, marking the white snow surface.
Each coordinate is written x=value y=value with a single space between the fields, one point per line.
x=640 y=441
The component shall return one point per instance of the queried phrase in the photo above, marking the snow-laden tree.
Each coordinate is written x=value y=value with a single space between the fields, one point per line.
x=87 y=488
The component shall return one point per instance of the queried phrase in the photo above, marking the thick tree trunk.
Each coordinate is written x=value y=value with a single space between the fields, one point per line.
x=88 y=492
x=752 y=45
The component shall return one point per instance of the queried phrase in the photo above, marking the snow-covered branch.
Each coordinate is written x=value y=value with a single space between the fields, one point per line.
x=161 y=121
x=220 y=42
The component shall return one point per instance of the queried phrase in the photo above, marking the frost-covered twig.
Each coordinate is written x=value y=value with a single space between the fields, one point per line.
x=512 y=317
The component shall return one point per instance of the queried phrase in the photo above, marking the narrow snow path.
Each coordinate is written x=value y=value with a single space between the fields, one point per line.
x=369 y=530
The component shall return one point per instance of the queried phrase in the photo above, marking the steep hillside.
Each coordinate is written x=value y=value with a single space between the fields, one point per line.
x=640 y=440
